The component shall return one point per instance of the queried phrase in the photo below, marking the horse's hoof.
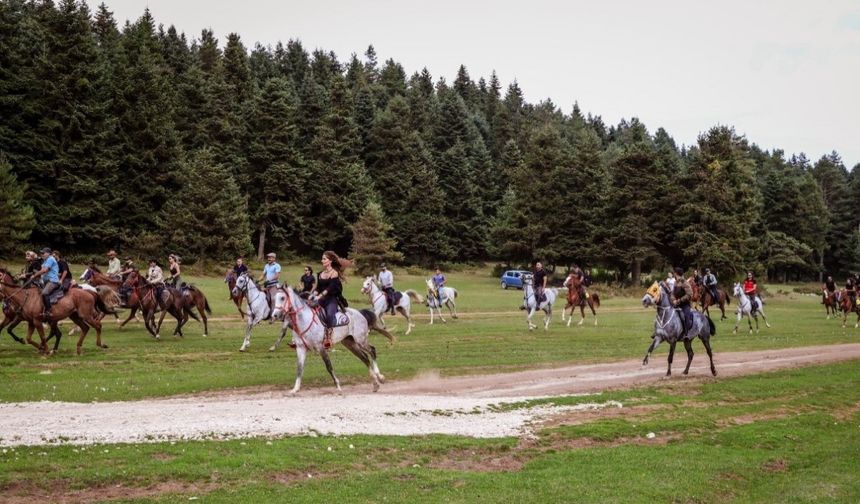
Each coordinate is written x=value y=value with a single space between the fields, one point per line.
x=456 y=317
x=714 y=372
x=381 y=378
x=375 y=387
x=293 y=391
x=104 y=347
x=271 y=349
x=205 y=335
x=242 y=349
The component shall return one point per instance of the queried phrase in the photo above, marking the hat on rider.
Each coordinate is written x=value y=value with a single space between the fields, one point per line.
x=46 y=250
x=382 y=265
x=679 y=271
x=272 y=255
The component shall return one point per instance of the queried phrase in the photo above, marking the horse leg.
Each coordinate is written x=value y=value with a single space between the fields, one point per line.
x=131 y=315
x=671 y=356
x=439 y=309
x=247 y=342
x=96 y=324
x=84 y=330
x=749 y=321
x=722 y=310
x=30 y=328
x=409 y=325
x=201 y=309
x=529 y=318
x=593 y=311
x=651 y=348
x=275 y=346
x=452 y=307
x=160 y=321
x=330 y=368
x=57 y=334
x=707 y=342
x=547 y=317
x=79 y=322
x=581 y=314
x=740 y=316
x=688 y=345
x=301 y=355
x=365 y=357
x=17 y=320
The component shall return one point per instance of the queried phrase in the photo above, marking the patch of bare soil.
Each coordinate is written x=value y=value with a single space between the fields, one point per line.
x=847 y=413
x=776 y=466
x=59 y=492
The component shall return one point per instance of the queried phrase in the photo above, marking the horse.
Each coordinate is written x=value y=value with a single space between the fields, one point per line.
x=258 y=308
x=81 y=306
x=574 y=284
x=309 y=332
x=845 y=307
x=10 y=315
x=447 y=295
x=237 y=298
x=380 y=304
x=668 y=327
x=696 y=288
x=171 y=302
x=531 y=304
x=831 y=302
x=745 y=309
x=191 y=298
x=707 y=301
x=96 y=278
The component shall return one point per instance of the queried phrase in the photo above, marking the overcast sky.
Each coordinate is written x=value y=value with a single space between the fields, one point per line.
x=784 y=73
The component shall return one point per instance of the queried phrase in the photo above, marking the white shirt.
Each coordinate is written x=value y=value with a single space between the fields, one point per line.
x=386 y=278
x=670 y=281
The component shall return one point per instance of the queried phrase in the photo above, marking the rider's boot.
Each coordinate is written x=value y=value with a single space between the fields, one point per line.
x=46 y=314
x=327 y=338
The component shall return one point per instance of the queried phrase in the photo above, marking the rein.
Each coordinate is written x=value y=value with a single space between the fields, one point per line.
x=293 y=315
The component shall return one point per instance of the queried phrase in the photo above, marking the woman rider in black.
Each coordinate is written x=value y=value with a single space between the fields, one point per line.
x=330 y=291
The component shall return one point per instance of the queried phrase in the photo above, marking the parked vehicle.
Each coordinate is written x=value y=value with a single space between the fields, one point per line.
x=513 y=279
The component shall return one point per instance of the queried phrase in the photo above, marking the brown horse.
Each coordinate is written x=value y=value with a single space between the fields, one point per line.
x=171 y=302
x=830 y=300
x=708 y=301
x=575 y=298
x=80 y=305
x=10 y=315
x=696 y=288
x=237 y=298
x=132 y=302
x=190 y=299
x=845 y=306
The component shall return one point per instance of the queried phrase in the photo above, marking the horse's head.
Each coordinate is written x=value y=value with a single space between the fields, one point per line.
x=6 y=276
x=132 y=279
x=738 y=290
x=241 y=284
x=652 y=295
x=285 y=302
x=367 y=285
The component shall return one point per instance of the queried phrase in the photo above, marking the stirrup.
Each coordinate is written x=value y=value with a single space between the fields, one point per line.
x=327 y=338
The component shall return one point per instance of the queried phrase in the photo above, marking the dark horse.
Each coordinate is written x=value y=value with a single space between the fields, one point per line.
x=235 y=296
x=171 y=302
x=845 y=307
x=830 y=300
x=10 y=314
x=575 y=298
x=707 y=300
x=189 y=299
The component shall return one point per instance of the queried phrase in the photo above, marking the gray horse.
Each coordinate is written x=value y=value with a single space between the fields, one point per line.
x=667 y=327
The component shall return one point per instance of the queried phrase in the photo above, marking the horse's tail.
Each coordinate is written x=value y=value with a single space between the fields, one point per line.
x=373 y=323
x=711 y=326
x=206 y=306
x=106 y=300
x=414 y=295
x=596 y=299
x=455 y=291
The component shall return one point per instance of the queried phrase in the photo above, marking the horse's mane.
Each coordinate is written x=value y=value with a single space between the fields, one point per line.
x=95 y=269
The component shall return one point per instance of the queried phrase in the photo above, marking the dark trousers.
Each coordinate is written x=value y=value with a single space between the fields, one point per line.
x=539 y=297
x=389 y=294
x=329 y=307
x=686 y=316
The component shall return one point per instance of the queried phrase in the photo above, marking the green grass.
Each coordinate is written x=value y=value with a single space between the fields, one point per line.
x=491 y=336
x=789 y=436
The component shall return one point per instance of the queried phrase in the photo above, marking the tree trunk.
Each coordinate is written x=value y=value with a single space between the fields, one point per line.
x=636 y=272
x=261 y=245
x=821 y=265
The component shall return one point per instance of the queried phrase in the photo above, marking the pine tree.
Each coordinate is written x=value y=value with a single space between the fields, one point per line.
x=16 y=217
x=371 y=245
x=212 y=228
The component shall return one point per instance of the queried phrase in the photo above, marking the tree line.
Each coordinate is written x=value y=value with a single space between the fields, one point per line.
x=138 y=138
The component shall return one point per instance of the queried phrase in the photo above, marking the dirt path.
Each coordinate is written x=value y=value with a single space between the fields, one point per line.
x=461 y=405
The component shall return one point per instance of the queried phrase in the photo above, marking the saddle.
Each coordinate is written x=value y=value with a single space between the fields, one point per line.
x=55 y=297
x=341 y=317
x=394 y=299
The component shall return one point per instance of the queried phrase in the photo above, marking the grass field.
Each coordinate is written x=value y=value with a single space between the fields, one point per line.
x=790 y=436
x=490 y=336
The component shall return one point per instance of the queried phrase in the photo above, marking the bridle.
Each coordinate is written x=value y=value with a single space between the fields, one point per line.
x=662 y=309
x=289 y=309
x=368 y=291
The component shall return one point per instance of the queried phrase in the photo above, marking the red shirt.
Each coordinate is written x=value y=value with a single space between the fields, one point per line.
x=749 y=286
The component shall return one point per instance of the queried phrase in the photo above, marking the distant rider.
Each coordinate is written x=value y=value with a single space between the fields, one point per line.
x=682 y=294
x=386 y=280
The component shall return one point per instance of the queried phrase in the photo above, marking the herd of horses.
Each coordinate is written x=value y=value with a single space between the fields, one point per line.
x=103 y=295
x=839 y=301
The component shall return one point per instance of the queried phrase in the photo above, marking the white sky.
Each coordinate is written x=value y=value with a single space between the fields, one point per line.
x=784 y=73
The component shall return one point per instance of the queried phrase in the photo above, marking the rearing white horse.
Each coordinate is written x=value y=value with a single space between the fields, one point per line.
x=309 y=332
x=380 y=304
x=446 y=297
x=530 y=302
x=745 y=309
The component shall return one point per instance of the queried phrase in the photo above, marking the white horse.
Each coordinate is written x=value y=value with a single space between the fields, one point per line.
x=309 y=332
x=530 y=303
x=258 y=307
x=446 y=297
x=745 y=309
x=380 y=304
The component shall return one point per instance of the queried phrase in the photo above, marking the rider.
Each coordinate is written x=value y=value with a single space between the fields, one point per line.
x=155 y=276
x=682 y=294
x=750 y=288
x=330 y=291
x=670 y=281
x=114 y=267
x=34 y=264
x=175 y=271
x=129 y=267
x=539 y=279
x=710 y=282
x=439 y=281
x=386 y=279
x=697 y=278
x=308 y=281
x=271 y=274
x=240 y=267
x=50 y=274
x=65 y=272
x=829 y=288
x=851 y=291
